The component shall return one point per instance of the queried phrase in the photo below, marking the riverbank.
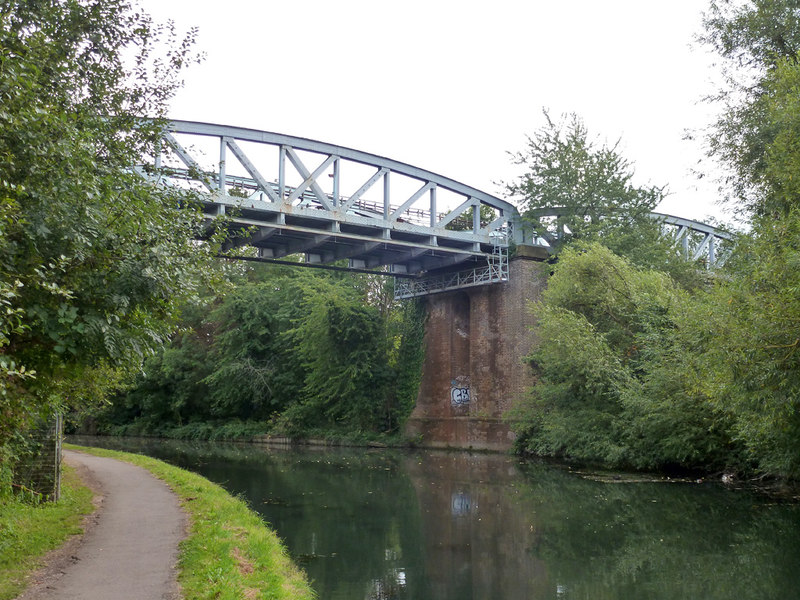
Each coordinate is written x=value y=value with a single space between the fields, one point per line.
x=255 y=432
x=229 y=552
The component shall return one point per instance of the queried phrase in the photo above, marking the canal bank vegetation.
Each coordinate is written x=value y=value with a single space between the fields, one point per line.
x=95 y=261
x=29 y=529
x=288 y=352
x=230 y=552
x=638 y=369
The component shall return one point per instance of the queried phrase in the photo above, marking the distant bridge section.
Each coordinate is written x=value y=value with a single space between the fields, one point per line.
x=695 y=241
x=698 y=241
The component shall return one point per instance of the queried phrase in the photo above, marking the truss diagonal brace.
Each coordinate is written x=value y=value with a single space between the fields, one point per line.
x=414 y=197
x=186 y=158
x=496 y=224
x=310 y=179
x=242 y=158
x=458 y=211
x=702 y=247
x=368 y=184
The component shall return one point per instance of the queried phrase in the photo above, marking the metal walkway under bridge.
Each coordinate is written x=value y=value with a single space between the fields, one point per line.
x=287 y=196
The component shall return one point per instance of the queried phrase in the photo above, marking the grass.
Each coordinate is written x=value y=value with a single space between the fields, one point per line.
x=28 y=531
x=230 y=552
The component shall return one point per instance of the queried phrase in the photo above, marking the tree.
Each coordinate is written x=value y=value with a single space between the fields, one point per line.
x=590 y=187
x=759 y=41
x=343 y=345
x=565 y=169
x=752 y=35
x=635 y=371
x=287 y=350
x=620 y=377
x=94 y=260
x=257 y=372
x=753 y=362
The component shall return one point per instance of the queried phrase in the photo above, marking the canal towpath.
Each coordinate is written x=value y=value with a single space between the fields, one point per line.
x=129 y=550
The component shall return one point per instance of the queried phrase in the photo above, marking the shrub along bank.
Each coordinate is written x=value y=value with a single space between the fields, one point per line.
x=636 y=372
x=286 y=351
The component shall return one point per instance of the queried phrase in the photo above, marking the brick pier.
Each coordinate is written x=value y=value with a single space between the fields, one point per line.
x=475 y=341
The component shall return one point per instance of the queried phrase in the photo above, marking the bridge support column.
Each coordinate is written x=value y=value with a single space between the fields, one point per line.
x=475 y=341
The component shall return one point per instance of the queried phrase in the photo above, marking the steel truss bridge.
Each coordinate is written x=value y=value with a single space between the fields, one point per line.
x=694 y=240
x=285 y=195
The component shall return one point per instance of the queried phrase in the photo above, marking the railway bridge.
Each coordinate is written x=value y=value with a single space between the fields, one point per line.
x=284 y=196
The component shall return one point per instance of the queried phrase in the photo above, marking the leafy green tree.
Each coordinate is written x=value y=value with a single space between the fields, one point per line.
x=753 y=363
x=590 y=187
x=759 y=41
x=343 y=345
x=94 y=261
x=170 y=390
x=754 y=34
x=656 y=376
x=292 y=350
x=754 y=360
x=565 y=169
x=618 y=381
x=257 y=372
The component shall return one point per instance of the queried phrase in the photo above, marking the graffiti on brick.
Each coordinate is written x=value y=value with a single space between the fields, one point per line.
x=459 y=396
x=460 y=504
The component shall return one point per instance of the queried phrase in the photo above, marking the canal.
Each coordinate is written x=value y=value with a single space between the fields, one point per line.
x=423 y=525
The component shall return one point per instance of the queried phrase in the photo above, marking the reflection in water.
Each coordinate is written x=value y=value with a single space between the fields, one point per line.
x=477 y=539
x=380 y=525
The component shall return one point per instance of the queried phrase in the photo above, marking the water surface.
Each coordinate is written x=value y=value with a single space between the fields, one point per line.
x=382 y=524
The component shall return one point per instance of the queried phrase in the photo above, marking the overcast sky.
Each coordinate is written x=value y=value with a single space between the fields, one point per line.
x=452 y=87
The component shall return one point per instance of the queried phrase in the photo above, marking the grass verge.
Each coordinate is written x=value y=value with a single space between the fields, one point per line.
x=230 y=552
x=28 y=531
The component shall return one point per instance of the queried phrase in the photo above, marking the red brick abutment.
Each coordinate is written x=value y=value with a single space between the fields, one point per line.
x=475 y=343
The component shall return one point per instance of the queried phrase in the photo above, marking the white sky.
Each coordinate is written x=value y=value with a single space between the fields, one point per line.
x=452 y=87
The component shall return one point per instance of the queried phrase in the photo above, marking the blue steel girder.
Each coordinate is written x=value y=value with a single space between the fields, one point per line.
x=694 y=240
x=290 y=195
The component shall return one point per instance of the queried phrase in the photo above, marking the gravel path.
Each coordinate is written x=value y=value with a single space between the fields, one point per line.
x=130 y=547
